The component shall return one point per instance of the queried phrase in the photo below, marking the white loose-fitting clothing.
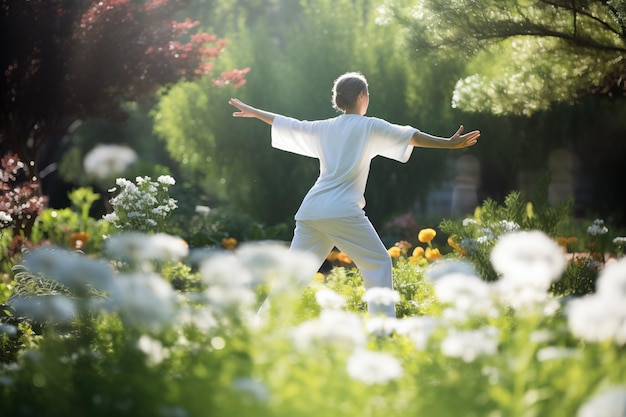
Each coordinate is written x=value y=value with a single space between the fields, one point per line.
x=345 y=146
x=331 y=213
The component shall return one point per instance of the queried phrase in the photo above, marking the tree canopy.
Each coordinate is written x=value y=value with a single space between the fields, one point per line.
x=63 y=60
x=524 y=55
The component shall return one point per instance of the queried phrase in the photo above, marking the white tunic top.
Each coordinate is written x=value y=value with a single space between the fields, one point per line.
x=345 y=146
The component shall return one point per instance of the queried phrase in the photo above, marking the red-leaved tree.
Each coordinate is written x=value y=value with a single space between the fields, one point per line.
x=67 y=60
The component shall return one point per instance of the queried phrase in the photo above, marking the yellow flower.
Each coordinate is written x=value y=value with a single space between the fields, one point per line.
x=418 y=260
x=418 y=252
x=394 y=252
x=426 y=235
x=432 y=254
x=229 y=243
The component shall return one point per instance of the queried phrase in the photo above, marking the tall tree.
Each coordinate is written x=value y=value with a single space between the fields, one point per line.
x=526 y=54
x=63 y=60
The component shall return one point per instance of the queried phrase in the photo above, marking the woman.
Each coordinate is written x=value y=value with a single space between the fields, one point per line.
x=331 y=214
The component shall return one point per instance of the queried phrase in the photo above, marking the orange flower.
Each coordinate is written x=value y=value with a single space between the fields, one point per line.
x=332 y=256
x=343 y=258
x=78 y=240
x=229 y=243
x=418 y=252
x=455 y=245
x=394 y=252
x=426 y=235
x=432 y=254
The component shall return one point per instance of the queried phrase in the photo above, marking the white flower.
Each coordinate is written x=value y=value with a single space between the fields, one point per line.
x=531 y=257
x=612 y=280
x=145 y=300
x=418 y=329
x=551 y=353
x=74 y=271
x=468 y=221
x=373 y=367
x=594 y=319
x=5 y=217
x=610 y=403
x=466 y=293
x=602 y=316
x=381 y=296
x=204 y=210
x=166 y=180
x=620 y=240
x=225 y=269
x=106 y=161
x=272 y=261
x=597 y=228
x=333 y=327
x=470 y=344
x=525 y=298
x=381 y=325
x=508 y=226
x=228 y=297
x=329 y=299
x=143 y=247
x=58 y=309
x=154 y=350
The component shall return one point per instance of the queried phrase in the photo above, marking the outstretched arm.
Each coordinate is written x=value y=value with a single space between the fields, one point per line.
x=456 y=141
x=249 y=111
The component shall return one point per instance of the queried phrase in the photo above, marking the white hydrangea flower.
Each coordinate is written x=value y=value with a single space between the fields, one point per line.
x=418 y=329
x=470 y=344
x=75 y=271
x=58 y=309
x=601 y=316
x=333 y=327
x=551 y=353
x=145 y=300
x=610 y=403
x=381 y=296
x=145 y=247
x=108 y=160
x=466 y=293
x=373 y=367
x=531 y=257
x=329 y=299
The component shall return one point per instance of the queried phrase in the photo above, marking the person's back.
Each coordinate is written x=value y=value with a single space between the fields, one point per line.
x=331 y=214
x=345 y=146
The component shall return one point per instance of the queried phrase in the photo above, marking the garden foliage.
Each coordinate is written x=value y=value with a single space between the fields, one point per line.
x=144 y=325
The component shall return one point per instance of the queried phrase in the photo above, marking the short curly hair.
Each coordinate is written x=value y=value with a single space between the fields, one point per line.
x=346 y=90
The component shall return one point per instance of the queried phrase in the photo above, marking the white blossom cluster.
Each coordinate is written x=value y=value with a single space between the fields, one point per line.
x=601 y=316
x=108 y=160
x=5 y=219
x=597 y=228
x=141 y=206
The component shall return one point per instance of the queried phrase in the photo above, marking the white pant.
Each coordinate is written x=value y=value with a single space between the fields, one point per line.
x=357 y=238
